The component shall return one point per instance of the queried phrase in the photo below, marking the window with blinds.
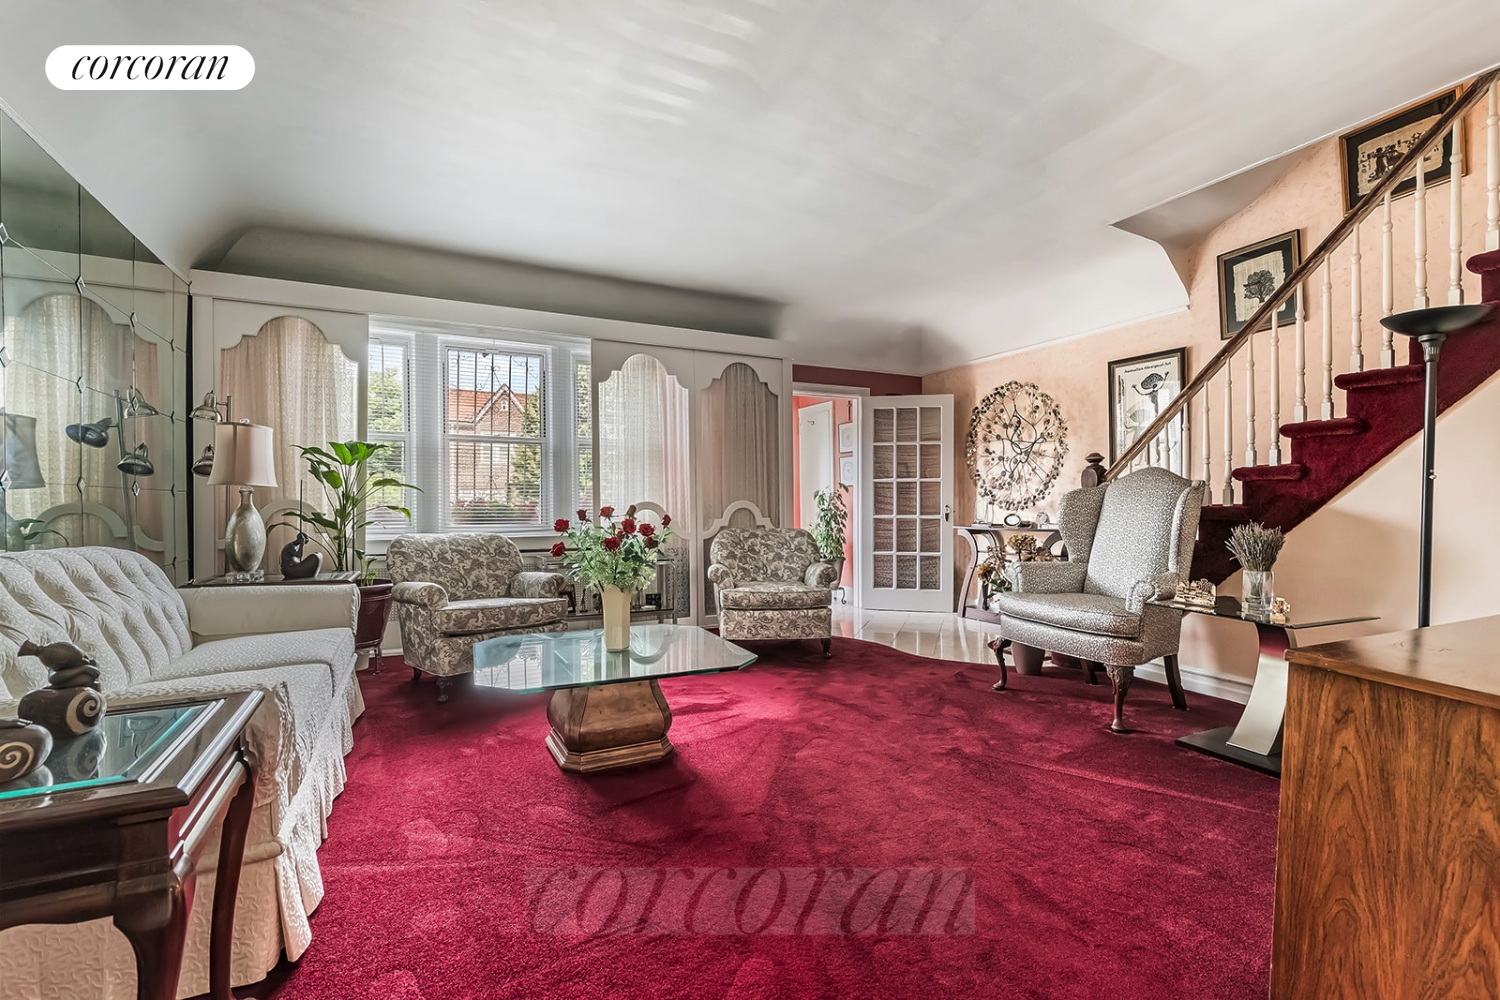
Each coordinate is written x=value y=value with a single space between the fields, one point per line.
x=493 y=426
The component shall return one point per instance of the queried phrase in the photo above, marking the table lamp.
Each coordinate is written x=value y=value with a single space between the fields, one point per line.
x=243 y=457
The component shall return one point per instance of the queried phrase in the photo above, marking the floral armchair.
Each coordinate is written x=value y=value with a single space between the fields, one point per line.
x=453 y=590
x=772 y=584
x=1129 y=543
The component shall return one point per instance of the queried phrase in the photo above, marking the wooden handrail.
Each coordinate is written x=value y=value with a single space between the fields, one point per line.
x=1476 y=90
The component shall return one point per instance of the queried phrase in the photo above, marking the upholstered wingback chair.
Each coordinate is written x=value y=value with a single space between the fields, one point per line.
x=1129 y=542
x=772 y=584
x=453 y=590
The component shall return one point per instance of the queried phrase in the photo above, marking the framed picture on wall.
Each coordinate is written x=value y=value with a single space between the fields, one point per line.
x=846 y=469
x=846 y=437
x=1367 y=154
x=1139 y=390
x=1251 y=275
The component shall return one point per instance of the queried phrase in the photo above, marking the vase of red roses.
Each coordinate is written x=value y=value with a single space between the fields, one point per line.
x=617 y=558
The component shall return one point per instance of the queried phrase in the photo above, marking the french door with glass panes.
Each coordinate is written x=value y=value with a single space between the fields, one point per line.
x=906 y=507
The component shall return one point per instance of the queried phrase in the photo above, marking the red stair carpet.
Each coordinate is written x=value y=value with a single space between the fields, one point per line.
x=1093 y=865
x=1384 y=409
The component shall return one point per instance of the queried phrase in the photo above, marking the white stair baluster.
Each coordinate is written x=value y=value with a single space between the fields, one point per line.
x=1356 y=306
x=1492 y=168
x=1229 y=432
x=1250 y=457
x=1456 y=219
x=1326 y=409
x=1387 y=284
x=1419 y=255
x=1208 y=440
x=1274 y=458
x=1299 y=409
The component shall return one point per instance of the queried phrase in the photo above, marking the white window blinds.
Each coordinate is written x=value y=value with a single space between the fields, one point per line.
x=486 y=422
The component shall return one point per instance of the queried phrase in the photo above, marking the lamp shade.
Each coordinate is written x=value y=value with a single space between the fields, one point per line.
x=243 y=456
x=19 y=467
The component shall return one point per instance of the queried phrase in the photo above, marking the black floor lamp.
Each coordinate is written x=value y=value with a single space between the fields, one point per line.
x=1431 y=327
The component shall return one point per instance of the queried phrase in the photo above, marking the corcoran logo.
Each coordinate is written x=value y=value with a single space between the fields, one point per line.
x=150 y=67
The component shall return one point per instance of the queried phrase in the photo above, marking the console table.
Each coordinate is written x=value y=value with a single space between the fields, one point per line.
x=1388 y=858
x=1255 y=742
x=119 y=831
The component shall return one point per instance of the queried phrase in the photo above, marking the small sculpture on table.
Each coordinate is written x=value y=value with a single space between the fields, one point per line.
x=1281 y=611
x=71 y=704
x=24 y=747
x=1196 y=594
x=296 y=566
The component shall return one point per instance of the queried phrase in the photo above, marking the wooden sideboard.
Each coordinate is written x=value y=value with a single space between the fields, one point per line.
x=1388 y=862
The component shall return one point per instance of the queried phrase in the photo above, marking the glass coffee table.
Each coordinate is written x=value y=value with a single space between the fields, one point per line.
x=607 y=709
x=1255 y=742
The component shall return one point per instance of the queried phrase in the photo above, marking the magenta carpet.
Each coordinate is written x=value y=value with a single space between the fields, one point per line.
x=954 y=842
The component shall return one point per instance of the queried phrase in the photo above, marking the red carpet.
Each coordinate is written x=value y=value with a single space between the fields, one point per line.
x=1091 y=865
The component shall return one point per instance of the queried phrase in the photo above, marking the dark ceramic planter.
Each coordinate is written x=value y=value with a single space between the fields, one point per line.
x=374 y=615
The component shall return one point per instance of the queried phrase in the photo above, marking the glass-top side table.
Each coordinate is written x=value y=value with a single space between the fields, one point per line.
x=1255 y=742
x=126 y=744
x=607 y=709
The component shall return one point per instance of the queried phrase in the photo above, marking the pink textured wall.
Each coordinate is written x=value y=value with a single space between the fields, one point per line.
x=1308 y=198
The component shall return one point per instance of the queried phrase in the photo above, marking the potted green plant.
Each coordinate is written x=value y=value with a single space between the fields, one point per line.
x=343 y=472
x=830 y=525
x=22 y=533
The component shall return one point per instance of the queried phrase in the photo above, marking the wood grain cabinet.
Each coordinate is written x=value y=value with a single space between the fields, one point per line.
x=1388 y=863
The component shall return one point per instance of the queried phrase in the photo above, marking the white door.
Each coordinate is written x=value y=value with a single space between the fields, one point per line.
x=814 y=458
x=906 y=505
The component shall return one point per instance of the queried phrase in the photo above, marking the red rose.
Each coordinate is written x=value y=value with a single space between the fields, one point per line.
x=666 y=519
x=606 y=512
x=648 y=529
x=559 y=549
x=583 y=515
x=611 y=543
x=628 y=525
x=561 y=524
x=630 y=511
x=651 y=543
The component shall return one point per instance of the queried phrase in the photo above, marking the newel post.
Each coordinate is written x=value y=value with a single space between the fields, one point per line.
x=1093 y=473
x=1487 y=266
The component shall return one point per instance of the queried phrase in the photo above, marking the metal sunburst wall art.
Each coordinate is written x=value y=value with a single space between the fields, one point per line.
x=1016 y=446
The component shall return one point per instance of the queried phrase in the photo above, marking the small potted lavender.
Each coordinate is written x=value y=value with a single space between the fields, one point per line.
x=1256 y=547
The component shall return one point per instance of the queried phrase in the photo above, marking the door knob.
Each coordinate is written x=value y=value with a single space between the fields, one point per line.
x=947 y=510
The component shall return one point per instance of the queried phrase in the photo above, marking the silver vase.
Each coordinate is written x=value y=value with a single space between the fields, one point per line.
x=244 y=536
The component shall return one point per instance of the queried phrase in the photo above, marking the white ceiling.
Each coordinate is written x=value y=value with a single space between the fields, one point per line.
x=926 y=180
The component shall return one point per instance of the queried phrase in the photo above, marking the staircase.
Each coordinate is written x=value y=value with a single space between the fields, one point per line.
x=1382 y=406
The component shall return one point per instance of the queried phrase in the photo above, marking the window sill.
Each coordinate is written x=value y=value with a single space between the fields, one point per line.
x=530 y=540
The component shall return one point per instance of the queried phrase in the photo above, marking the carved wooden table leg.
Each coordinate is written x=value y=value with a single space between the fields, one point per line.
x=227 y=886
x=608 y=726
x=154 y=921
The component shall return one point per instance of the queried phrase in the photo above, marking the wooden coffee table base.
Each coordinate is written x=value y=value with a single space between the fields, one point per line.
x=606 y=726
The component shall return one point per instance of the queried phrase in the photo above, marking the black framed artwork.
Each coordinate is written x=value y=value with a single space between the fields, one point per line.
x=1251 y=275
x=1367 y=154
x=1139 y=390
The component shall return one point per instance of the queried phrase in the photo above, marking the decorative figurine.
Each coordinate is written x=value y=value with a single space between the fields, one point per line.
x=296 y=566
x=1281 y=610
x=70 y=705
x=24 y=747
x=1196 y=593
x=77 y=759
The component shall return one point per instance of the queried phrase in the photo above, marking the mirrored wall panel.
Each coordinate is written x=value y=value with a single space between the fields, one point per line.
x=92 y=371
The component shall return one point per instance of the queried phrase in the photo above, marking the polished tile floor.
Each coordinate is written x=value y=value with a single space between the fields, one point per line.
x=945 y=636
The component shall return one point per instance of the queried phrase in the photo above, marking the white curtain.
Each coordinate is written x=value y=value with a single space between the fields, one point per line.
x=642 y=457
x=291 y=379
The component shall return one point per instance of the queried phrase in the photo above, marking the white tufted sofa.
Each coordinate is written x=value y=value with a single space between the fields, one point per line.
x=296 y=643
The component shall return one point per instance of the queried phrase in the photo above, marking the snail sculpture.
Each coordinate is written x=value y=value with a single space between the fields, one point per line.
x=24 y=746
x=70 y=704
